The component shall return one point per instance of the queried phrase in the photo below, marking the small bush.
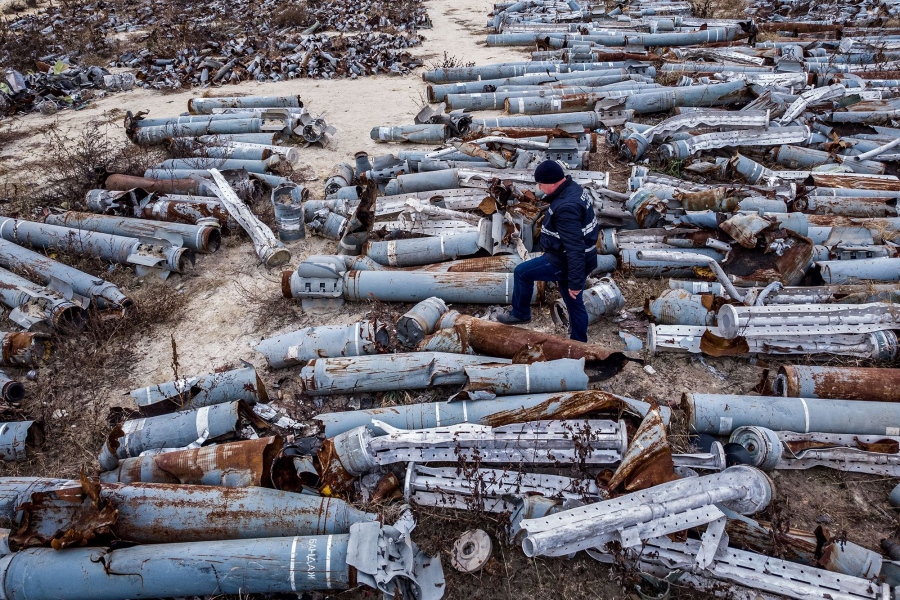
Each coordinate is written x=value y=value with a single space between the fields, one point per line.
x=449 y=62
x=294 y=15
x=718 y=9
x=76 y=163
x=13 y=8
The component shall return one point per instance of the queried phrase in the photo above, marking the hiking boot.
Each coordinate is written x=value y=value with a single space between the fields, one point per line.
x=508 y=318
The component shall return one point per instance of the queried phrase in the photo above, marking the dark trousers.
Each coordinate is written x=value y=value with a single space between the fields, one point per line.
x=541 y=269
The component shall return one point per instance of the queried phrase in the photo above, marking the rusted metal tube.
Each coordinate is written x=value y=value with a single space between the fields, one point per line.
x=496 y=339
x=18 y=438
x=851 y=383
x=848 y=206
x=15 y=491
x=202 y=390
x=156 y=513
x=233 y=464
x=192 y=213
x=260 y=565
x=159 y=186
x=500 y=411
x=23 y=348
x=176 y=430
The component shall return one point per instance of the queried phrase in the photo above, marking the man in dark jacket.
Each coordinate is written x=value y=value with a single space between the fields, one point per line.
x=569 y=239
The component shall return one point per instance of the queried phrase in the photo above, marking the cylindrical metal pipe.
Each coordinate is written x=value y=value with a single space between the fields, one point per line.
x=851 y=383
x=422 y=251
x=848 y=206
x=156 y=513
x=415 y=134
x=504 y=70
x=186 y=569
x=323 y=341
x=500 y=411
x=161 y=186
x=205 y=106
x=114 y=248
x=234 y=464
x=406 y=286
x=422 y=182
x=721 y=414
x=420 y=320
x=176 y=430
x=438 y=92
x=103 y=293
x=33 y=304
x=203 y=390
x=561 y=375
x=412 y=370
x=200 y=163
x=18 y=438
x=10 y=389
x=858 y=271
x=265 y=139
x=200 y=238
x=157 y=135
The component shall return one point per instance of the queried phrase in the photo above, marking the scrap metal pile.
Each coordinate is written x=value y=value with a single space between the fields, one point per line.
x=235 y=504
x=771 y=262
x=56 y=86
x=155 y=224
x=231 y=42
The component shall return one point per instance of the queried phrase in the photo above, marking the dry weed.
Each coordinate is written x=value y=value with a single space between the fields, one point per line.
x=719 y=9
x=74 y=163
x=71 y=393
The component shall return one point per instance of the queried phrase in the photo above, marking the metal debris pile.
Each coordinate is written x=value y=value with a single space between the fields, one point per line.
x=155 y=224
x=225 y=489
x=230 y=43
x=57 y=86
x=769 y=262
